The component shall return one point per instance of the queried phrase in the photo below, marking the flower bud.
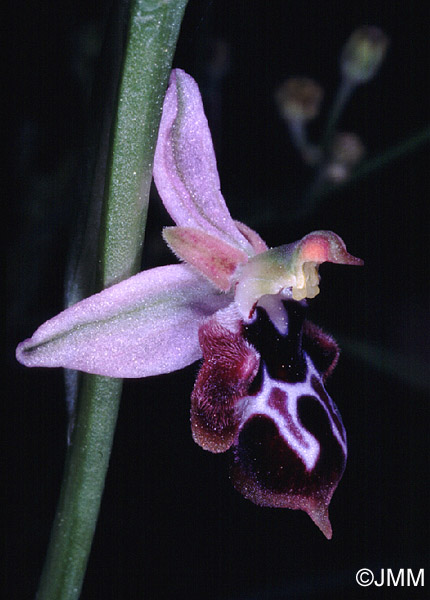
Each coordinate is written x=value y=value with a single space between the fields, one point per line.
x=347 y=148
x=345 y=153
x=363 y=53
x=299 y=98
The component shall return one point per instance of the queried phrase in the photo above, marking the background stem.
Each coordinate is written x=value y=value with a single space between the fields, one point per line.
x=320 y=191
x=153 y=32
x=344 y=93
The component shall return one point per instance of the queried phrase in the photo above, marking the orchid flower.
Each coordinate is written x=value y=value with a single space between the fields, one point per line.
x=236 y=303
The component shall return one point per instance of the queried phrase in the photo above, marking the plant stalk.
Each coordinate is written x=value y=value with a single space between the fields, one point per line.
x=153 y=31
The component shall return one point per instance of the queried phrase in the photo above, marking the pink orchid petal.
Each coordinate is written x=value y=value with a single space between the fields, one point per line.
x=185 y=170
x=214 y=258
x=258 y=244
x=145 y=325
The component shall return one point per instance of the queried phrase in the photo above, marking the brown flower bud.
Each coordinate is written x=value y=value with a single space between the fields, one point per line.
x=299 y=98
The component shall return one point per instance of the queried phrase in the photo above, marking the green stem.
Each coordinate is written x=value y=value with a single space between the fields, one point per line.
x=298 y=134
x=318 y=184
x=320 y=189
x=393 y=153
x=153 y=31
x=344 y=93
x=84 y=475
x=151 y=43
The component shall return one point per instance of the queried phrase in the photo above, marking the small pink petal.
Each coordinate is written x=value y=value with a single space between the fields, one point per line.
x=185 y=170
x=258 y=244
x=213 y=257
x=145 y=325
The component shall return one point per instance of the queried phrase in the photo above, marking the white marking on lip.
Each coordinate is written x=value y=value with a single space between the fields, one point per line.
x=307 y=449
x=311 y=371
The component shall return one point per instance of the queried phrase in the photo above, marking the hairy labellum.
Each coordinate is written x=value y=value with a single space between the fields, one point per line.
x=230 y=365
x=261 y=391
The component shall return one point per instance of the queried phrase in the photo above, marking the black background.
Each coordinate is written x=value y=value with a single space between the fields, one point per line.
x=171 y=524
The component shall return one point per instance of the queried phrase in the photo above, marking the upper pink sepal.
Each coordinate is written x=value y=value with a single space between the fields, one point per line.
x=145 y=325
x=213 y=257
x=185 y=170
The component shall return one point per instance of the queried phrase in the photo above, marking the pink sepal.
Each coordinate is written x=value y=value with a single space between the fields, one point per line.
x=145 y=325
x=185 y=170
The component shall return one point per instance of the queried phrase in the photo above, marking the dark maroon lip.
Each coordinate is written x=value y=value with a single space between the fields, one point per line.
x=261 y=392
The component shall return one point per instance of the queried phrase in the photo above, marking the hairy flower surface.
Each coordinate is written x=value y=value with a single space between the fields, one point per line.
x=236 y=303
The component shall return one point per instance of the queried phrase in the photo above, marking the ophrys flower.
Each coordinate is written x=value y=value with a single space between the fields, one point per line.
x=238 y=304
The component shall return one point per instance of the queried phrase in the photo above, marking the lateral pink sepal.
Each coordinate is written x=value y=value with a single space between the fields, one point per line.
x=145 y=325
